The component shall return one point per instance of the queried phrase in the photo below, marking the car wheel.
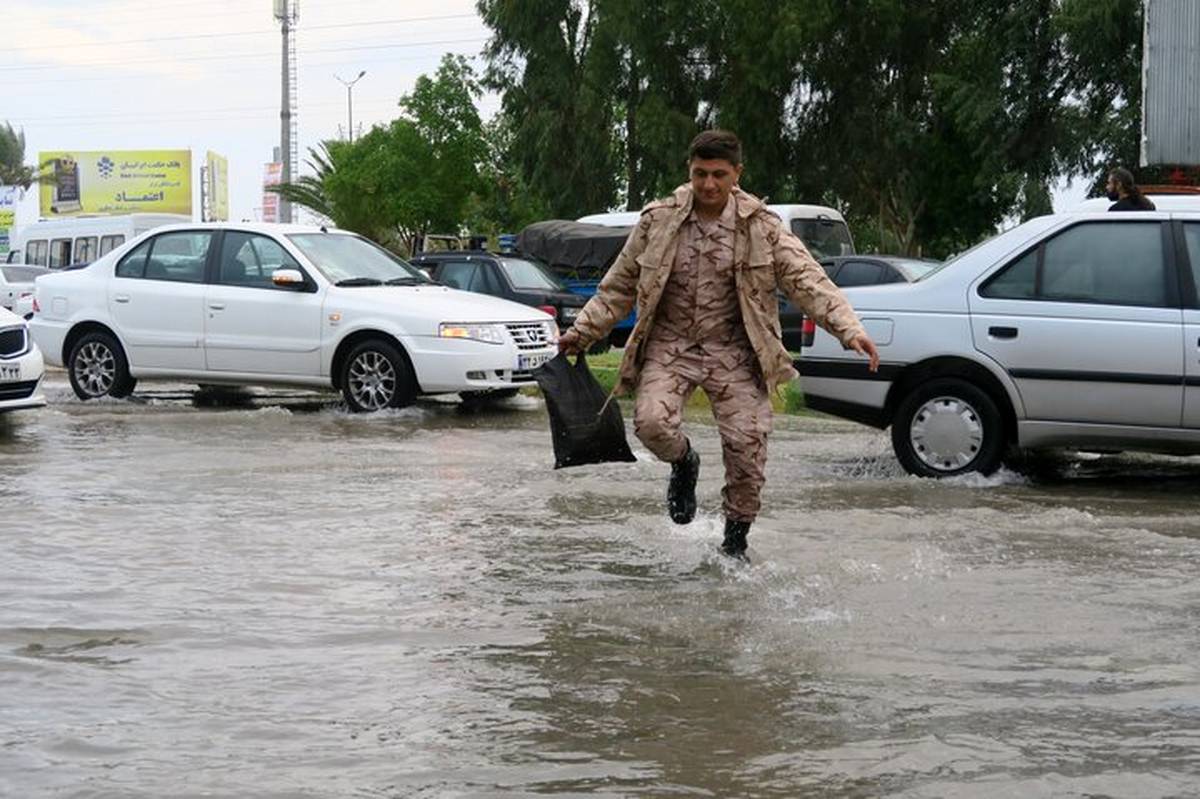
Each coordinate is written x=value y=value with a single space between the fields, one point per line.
x=947 y=427
x=97 y=367
x=376 y=375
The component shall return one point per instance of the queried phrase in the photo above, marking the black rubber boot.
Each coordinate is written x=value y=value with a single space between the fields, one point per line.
x=735 y=540
x=681 y=493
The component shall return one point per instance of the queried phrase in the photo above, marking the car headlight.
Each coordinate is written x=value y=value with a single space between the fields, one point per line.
x=490 y=334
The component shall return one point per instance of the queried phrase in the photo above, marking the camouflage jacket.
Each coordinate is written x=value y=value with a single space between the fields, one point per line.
x=766 y=259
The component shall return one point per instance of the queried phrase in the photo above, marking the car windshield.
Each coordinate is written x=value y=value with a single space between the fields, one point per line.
x=530 y=276
x=825 y=238
x=353 y=261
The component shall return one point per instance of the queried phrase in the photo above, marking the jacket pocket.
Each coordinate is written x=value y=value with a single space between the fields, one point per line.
x=647 y=273
x=759 y=277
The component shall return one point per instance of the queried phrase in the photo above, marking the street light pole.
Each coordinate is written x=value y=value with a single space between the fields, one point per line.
x=350 y=101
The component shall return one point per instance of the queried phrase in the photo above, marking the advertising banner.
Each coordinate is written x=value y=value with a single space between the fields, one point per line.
x=8 y=215
x=218 y=187
x=117 y=182
x=272 y=175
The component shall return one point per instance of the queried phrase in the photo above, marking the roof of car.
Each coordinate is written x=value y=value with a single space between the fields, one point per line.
x=1162 y=202
x=458 y=253
x=276 y=228
x=887 y=259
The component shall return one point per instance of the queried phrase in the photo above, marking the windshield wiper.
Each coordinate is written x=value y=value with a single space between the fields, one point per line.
x=359 y=281
x=407 y=281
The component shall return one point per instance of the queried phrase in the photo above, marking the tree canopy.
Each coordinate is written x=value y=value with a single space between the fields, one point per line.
x=928 y=123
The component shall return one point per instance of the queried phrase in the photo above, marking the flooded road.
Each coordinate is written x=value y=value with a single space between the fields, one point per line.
x=284 y=600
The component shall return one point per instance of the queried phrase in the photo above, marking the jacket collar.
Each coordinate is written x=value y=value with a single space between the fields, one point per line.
x=747 y=204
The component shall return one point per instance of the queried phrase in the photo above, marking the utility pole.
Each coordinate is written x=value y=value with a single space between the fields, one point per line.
x=287 y=12
x=350 y=101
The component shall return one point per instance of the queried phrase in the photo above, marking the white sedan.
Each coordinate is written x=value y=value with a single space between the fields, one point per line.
x=16 y=285
x=257 y=304
x=21 y=365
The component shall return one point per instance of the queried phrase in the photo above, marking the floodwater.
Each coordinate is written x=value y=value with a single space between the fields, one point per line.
x=285 y=600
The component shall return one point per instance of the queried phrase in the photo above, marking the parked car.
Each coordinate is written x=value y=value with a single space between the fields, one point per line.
x=846 y=271
x=1075 y=330
x=511 y=277
x=579 y=254
x=75 y=240
x=16 y=282
x=21 y=366
x=252 y=304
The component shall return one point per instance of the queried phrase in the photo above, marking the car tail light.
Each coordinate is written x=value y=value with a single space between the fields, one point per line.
x=808 y=329
x=548 y=309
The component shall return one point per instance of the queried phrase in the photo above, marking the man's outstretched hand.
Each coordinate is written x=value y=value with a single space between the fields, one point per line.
x=570 y=342
x=861 y=344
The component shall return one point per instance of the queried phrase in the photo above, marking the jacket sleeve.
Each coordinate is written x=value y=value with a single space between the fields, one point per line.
x=805 y=283
x=617 y=292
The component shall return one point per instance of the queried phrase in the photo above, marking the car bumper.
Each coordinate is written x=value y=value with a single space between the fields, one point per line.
x=847 y=389
x=49 y=337
x=445 y=366
x=25 y=391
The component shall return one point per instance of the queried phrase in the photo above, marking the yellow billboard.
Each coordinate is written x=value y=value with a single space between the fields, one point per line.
x=116 y=182
x=218 y=187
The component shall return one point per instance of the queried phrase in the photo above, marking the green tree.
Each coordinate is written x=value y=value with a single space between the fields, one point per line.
x=13 y=170
x=556 y=64
x=416 y=175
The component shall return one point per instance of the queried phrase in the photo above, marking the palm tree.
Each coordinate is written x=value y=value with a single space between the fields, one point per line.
x=309 y=190
x=13 y=171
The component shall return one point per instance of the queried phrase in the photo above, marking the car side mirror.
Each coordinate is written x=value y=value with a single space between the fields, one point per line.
x=288 y=278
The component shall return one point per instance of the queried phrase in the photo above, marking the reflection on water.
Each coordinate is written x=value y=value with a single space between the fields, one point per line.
x=272 y=597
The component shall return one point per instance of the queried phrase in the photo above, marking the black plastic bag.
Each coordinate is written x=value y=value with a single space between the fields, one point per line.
x=585 y=426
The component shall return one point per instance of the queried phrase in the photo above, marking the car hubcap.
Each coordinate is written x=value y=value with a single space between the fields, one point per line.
x=372 y=381
x=946 y=433
x=95 y=369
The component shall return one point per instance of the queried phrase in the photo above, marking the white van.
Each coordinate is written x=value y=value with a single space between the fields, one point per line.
x=822 y=229
x=81 y=239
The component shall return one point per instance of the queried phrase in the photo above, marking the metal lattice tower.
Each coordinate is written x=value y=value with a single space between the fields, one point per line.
x=287 y=13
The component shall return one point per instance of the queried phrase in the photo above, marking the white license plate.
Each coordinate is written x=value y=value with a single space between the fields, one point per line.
x=527 y=363
x=9 y=371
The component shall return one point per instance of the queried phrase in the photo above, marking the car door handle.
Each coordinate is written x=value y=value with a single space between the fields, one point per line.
x=121 y=298
x=217 y=306
x=1002 y=332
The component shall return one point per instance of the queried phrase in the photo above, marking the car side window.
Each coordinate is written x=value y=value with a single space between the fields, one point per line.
x=37 y=252
x=1110 y=263
x=483 y=281
x=1191 y=234
x=248 y=259
x=1018 y=281
x=178 y=257
x=60 y=252
x=85 y=249
x=859 y=273
x=110 y=243
x=134 y=264
x=458 y=274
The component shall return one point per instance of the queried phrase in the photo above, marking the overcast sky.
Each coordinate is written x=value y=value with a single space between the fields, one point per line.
x=167 y=74
x=180 y=74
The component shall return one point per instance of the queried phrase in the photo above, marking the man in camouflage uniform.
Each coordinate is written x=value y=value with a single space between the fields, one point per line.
x=703 y=267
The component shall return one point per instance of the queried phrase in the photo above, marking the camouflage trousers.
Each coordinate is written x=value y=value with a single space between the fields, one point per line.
x=732 y=379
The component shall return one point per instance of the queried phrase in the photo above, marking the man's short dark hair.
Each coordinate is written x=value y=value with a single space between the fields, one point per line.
x=716 y=144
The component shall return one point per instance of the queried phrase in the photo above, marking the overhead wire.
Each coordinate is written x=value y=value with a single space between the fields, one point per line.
x=226 y=34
